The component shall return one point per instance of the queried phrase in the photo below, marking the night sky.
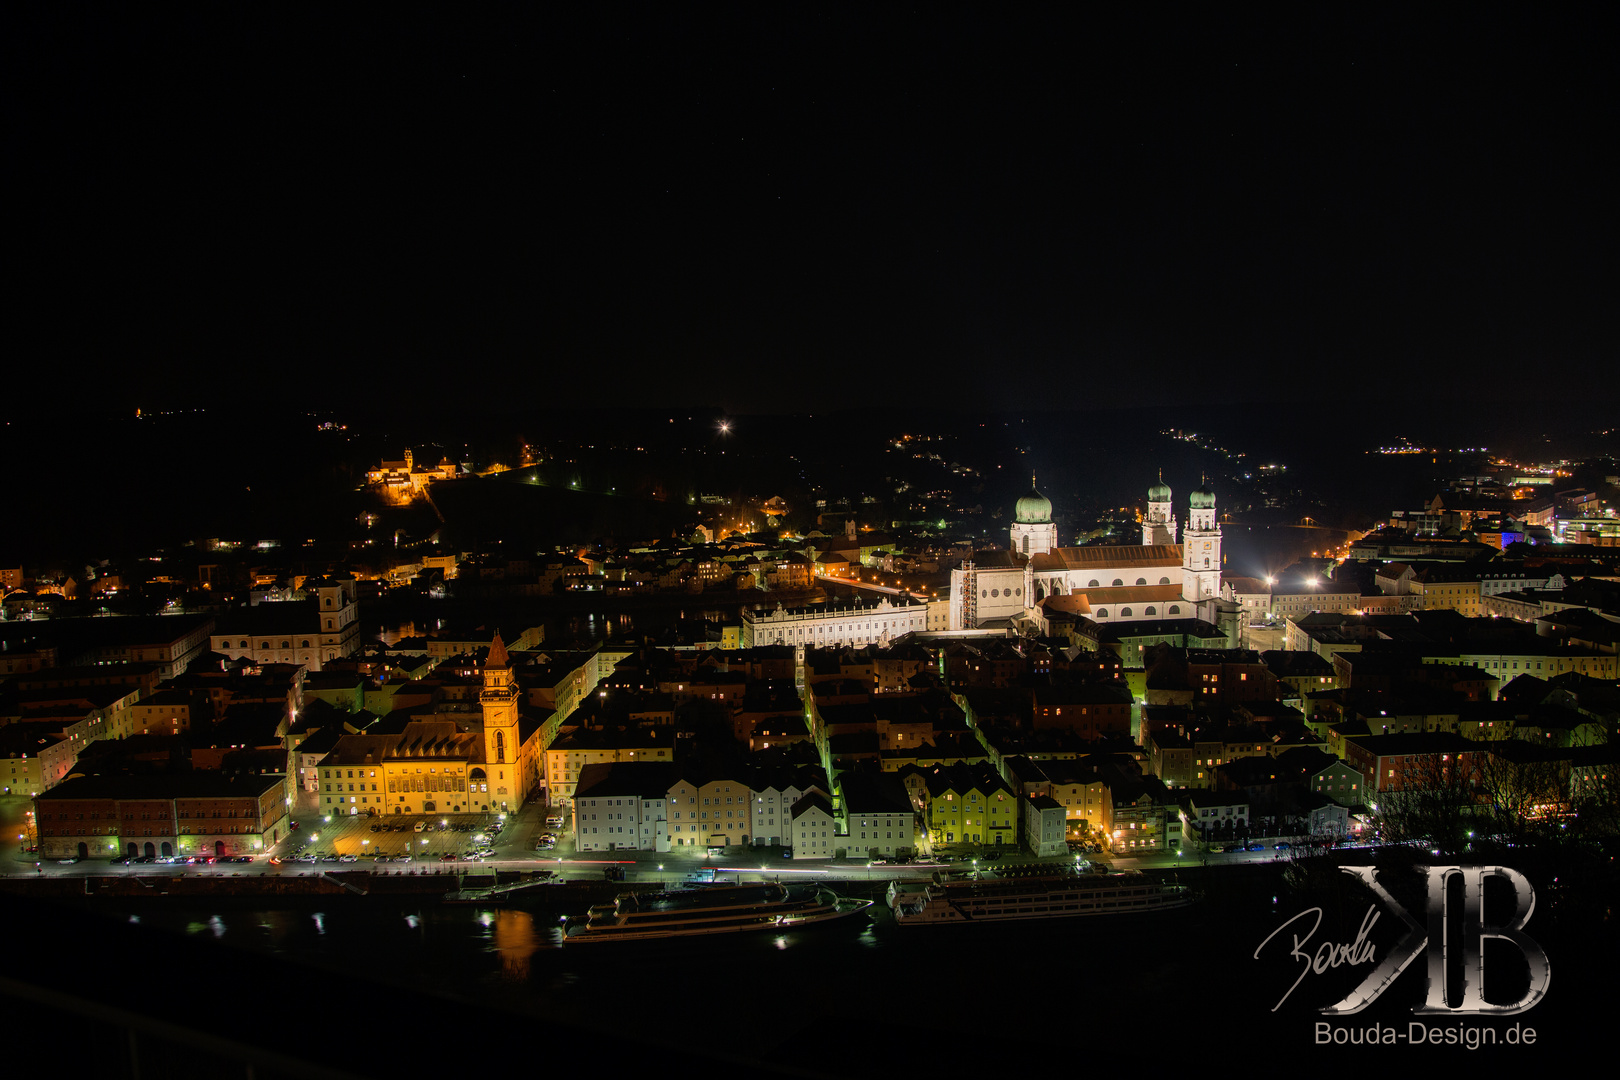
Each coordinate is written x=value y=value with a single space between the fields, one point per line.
x=788 y=207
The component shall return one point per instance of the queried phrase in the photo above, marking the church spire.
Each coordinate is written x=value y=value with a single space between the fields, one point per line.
x=497 y=654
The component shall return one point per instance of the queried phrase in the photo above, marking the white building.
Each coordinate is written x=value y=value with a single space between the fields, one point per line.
x=304 y=632
x=815 y=833
x=773 y=799
x=1045 y=826
x=841 y=622
x=622 y=807
x=1105 y=584
x=879 y=820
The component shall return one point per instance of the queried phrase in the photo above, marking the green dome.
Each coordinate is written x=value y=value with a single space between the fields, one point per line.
x=1034 y=509
x=1202 y=499
x=1159 y=492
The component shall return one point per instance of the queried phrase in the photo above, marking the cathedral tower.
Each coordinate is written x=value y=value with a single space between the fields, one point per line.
x=1159 y=527
x=1201 y=550
x=1033 y=532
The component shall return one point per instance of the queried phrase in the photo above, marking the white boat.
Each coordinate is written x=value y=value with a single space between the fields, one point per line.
x=698 y=912
x=1055 y=896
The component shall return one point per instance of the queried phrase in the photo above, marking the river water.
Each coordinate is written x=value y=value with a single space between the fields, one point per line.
x=867 y=998
x=863 y=998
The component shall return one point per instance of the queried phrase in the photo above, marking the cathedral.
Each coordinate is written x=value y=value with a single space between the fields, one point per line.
x=1157 y=579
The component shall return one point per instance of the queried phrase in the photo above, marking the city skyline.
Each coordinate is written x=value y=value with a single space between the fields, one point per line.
x=485 y=481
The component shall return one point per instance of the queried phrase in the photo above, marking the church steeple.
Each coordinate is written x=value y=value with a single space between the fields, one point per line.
x=499 y=699
x=1033 y=532
x=1159 y=526
x=1201 y=548
x=497 y=654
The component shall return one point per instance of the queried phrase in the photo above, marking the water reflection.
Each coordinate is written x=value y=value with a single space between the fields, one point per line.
x=515 y=940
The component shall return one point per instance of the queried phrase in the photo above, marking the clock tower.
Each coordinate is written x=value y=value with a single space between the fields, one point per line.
x=499 y=699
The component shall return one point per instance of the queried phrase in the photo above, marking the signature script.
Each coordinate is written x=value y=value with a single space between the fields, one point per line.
x=1328 y=954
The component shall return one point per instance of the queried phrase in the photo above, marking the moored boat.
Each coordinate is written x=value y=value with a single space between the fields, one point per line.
x=1053 y=896
x=698 y=912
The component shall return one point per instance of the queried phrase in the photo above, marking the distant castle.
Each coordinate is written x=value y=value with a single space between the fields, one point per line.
x=401 y=481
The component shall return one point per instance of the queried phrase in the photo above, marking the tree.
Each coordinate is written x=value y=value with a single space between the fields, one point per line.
x=1438 y=793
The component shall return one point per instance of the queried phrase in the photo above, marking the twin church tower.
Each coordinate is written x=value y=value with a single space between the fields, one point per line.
x=1159 y=578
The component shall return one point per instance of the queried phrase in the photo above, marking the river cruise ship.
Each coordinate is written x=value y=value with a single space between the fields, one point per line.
x=698 y=912
x=1055 y=896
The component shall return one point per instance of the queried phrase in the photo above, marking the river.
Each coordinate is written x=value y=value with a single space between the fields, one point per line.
x=868 y=998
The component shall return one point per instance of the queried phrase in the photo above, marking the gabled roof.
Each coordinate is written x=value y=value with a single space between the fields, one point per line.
x=813 y=800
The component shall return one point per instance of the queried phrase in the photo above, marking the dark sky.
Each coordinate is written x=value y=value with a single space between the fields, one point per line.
x=785 y=207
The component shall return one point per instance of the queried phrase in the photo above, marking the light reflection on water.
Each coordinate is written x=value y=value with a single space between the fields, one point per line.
x=511 y=959
x=516 y=940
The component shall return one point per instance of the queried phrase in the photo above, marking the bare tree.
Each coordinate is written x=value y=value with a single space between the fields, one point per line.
x=1438 y=795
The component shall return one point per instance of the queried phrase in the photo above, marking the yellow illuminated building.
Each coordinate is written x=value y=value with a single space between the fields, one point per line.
x=441 y=766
